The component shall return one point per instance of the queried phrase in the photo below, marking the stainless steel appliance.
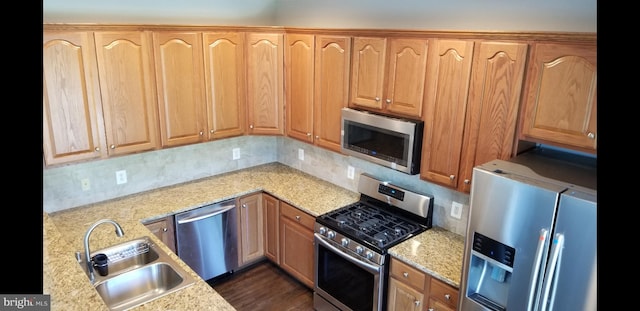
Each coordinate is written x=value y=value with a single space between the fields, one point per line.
x=207 y=240
x=531 y=242
x=389 y=141
x=351 y=243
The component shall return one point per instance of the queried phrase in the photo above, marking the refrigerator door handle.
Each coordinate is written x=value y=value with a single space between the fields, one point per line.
x=536 y=276
x=554 y=262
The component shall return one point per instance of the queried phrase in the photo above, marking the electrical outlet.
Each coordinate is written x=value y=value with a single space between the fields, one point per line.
x=456 y=210
x=86 y=185
x=121 y=177
x=300 y=154
x=236 y=153
x=350 y=172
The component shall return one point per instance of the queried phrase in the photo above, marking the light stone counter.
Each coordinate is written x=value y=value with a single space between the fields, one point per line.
x=63 y=233
x=436 y=251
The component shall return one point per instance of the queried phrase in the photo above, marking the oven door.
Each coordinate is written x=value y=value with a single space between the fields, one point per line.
x=344 y=280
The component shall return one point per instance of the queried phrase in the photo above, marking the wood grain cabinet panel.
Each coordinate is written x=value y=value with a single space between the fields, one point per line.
x=164 y=229
x=299 y=74
x=180 y=83
x=127 y=85
x=251 y=226
x=561 y=101
x=265 y=102
x=296 y=243
x=73 y=128
x=388 y=75
x=271 y=206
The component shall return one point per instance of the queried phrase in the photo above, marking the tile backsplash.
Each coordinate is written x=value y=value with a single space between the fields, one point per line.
x=63 y=186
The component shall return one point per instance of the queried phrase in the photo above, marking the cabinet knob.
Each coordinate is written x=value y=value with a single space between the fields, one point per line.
x=377 y=99
x=97 y=149
x=201 y=133
x=308 y=134
x=244 y=205
x=388 y=101
x=317 y=137
x=466 y=181
x=211 y=131
x=417 y=302
x=591 y=135
x=452 y=177
x=164 y=229
x=112 y=146
x=251 y=126
x=405 y=274
x=298 y=218
x=447 y=297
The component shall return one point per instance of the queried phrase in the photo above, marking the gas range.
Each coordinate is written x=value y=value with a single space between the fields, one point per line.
x=385 y=216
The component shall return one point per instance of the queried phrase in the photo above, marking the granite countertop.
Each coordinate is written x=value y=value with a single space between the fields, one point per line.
x=63 y=233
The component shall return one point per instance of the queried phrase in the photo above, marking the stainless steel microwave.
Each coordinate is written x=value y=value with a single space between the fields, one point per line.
x=390 y=141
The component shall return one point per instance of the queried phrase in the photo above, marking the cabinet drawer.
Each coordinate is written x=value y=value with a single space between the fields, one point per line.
x=407 y=274
x=297 y=215
x=441 y=291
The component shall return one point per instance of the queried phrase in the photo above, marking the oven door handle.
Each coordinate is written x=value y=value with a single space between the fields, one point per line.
x=337 y=251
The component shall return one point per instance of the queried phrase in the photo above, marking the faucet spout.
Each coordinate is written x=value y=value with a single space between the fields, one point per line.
x=119 y=233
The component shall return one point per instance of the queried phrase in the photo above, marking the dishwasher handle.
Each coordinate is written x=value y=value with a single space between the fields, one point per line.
x=206 y=214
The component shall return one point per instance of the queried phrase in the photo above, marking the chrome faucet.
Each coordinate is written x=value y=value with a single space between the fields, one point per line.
x=119 y=233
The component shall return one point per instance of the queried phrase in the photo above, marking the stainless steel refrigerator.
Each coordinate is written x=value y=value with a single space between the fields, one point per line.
x=531 y=242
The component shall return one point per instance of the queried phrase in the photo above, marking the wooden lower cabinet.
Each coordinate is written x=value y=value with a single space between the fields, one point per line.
x=164 y=229
x=296 y=243
x=251 y=228
x=271 y=206
x=412 y=289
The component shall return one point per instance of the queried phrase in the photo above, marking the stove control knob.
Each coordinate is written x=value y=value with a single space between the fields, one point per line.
x=322 y=230
x=345 y=242
x=331 y=234
x=359 y=249
x=368 y=255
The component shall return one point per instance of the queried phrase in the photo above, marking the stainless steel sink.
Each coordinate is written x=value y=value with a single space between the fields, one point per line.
x=139 y=272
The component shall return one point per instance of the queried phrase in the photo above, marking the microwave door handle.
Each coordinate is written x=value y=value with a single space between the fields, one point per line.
x=536 y=276
x=340 y=253
x=552 y=271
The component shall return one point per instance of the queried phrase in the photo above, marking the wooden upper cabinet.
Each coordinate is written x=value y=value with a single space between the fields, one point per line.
x=388 y=75
x=225 y=84
x=494 y=100
x=299 y=74
x=180 y=83
x=331 y=91
x=127 y=84
x=72 y=109
x=560 y=103
x=447 y=82
x=265 y=102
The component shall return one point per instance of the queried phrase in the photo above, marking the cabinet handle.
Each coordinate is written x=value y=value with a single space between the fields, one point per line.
x=201 y=133
x=244 y=205
x=466 y=181
x=164 y=229
x=308 y=134
x=317 y=137
x=377 y=99
x=417 y=302
x=430 y=309
x=251 y=126
x=298 y=218
x=97 y=149
x=452 y=177
x=388 y=101
x=211 y=131
x=405 y=274
x=591 y=135
x=113 y=146
x=447 y=297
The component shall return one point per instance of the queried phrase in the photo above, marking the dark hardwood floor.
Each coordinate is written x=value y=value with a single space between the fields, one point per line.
x=263 y=286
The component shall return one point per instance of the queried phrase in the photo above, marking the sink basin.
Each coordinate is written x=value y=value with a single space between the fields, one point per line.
x=140 y=285
x=139 y=271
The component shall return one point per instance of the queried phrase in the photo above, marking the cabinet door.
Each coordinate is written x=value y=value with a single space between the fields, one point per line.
x=225 y=84
x=445 y=107
x=71 y=106
x=180 y=82
x=271 y=207
x=296 y=244
x=165 y=231
x=264 y=83
x=560 y=106
x=127 y=85
x=442 y=296
x=332 y=68
x=405 y=76
x=251 y=228
x=404 y=298
x=367 y=72
x=494 y=97
x=298 y=57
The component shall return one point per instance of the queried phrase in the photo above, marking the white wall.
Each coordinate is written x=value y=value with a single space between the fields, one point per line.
x=489 y=15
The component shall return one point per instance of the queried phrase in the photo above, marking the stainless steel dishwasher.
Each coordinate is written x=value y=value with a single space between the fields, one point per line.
x=207 y=239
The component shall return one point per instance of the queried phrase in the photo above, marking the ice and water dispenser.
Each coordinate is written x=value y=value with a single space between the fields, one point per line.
x=490 y=270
